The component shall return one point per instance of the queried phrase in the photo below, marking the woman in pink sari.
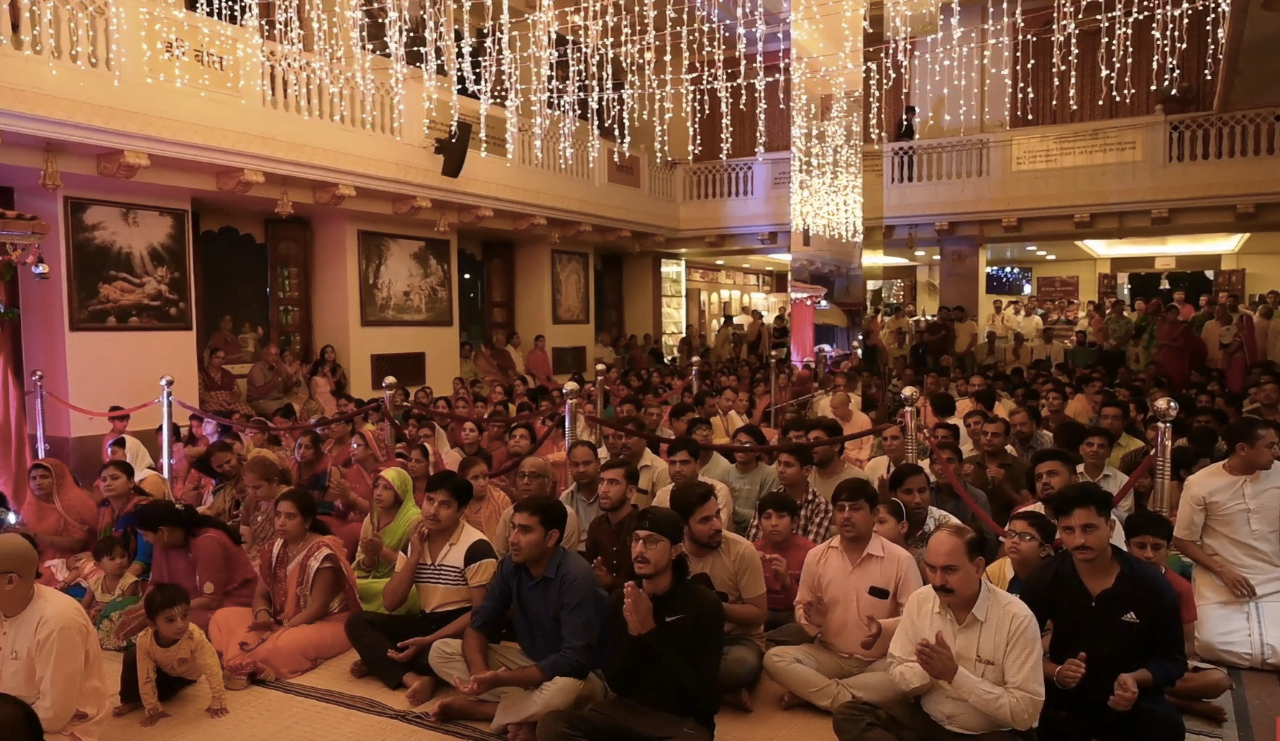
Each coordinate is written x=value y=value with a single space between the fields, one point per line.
x=298 y=617
x=58 y=514
x=1239 y=349
x=1177 y=349
x=219 y=391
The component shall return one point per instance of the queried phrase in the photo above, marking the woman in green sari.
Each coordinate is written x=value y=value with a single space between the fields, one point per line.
x=385 y=532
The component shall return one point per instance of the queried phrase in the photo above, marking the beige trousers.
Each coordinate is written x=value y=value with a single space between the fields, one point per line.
x=825 y=679
x=515 y=705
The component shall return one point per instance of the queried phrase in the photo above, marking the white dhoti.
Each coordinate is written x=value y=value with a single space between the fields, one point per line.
x=1243 y=634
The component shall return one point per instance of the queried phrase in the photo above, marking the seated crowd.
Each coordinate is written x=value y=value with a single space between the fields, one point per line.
x=628 y=582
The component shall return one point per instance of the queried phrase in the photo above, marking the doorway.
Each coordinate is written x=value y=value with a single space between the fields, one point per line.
x=471 y=287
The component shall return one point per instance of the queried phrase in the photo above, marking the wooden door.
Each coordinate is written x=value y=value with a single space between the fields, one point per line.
x=288 y=254
x=499 y=288
x=1229 y=282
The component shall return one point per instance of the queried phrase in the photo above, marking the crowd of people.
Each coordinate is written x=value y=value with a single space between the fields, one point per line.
x=1012 y=572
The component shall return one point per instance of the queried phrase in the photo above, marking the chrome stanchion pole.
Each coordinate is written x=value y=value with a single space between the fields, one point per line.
x=42 y=446
x=696 y=362
x=601 y=370
x=388 y=410
x=1166 y=410
x=571 y=412
x=166 y=420
x=910 y=395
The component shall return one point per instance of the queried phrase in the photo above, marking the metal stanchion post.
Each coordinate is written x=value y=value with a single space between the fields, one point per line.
x=42 y=446
x=570 y=413
x=695 y=362
x=775 y=357
x=819 y=365
x=1166 y=410
x=910 y=395
x=166 y=419
x=388 y=410
x=601 y=370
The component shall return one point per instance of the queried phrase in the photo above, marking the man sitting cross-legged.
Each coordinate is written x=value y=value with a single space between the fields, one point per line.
x=848 y=584
x=965 y=654
x=1149 y=535
x=665 y=653
x=558 y=611
x=451 y=564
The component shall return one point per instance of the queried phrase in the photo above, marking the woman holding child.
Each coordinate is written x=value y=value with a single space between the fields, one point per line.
x=301 y=604
x=58 y=514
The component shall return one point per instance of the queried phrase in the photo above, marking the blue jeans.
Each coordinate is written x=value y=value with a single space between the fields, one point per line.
x=741 y=663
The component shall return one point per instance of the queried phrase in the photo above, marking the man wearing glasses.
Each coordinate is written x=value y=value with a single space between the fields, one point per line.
x=533 y=479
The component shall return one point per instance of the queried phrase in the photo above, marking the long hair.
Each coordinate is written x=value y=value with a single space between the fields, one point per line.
x=127 y=470
x=158 y=513
x=306 y=506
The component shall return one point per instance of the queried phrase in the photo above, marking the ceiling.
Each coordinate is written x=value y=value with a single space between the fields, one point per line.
x=1251 y=66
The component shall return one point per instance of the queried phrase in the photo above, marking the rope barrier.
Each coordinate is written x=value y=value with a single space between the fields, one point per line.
x=90 y=413
x=1138 y=473
x=649 y=437
x=515 y=462
x=527 y=417
x=271 y=428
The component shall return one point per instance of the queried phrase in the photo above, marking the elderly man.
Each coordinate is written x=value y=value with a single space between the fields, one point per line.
x=49 y=654
x=964 y=653
x=852 y=421
x=268 y=379
x=534 y=479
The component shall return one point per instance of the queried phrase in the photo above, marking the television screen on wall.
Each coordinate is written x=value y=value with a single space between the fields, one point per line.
x=1009 y=281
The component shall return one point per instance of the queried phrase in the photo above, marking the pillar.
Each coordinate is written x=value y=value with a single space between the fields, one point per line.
x=961 y=274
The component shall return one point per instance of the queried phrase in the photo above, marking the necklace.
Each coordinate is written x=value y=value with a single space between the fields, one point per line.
x=291 y=553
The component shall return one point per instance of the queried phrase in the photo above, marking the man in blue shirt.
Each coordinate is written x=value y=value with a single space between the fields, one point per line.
x=558 y=612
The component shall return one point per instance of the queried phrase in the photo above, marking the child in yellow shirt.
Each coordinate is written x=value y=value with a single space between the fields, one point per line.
x=169 y=655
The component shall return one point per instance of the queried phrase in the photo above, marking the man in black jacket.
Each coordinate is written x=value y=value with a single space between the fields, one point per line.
x=1116 y=643
x=665 y=633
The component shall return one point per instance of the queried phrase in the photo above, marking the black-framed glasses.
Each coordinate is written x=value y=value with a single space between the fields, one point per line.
x=1024 y=537
x=651 y=542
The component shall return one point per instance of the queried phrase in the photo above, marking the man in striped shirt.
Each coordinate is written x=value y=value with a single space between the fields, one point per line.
x=450 y=564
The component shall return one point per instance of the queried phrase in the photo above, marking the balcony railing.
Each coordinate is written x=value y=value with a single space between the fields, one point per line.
x=938 y=162
x=1233 y=136
x=74 y=32
x=719 y=181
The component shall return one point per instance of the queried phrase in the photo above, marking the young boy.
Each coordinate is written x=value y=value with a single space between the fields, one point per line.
x=782 y=553
x=170 y=654
x=119 y=426
x=1148 y=535
x=1028 y=541
x=112 y=580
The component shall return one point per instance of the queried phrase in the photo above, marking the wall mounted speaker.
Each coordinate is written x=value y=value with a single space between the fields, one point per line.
x=454 y=150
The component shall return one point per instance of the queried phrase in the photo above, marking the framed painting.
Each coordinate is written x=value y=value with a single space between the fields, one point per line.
x=570 y=287
x=128 y=266
x=405 y=281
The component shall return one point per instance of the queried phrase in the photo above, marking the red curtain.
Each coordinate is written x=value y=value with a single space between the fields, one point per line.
x=801 y=331
x=15 y=453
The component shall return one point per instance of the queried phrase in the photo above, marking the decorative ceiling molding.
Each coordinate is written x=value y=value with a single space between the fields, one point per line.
x=123 y=164
x=240 y=180
x=474 y=215
x=409 y=206
x=525 y=223
x=332 y=194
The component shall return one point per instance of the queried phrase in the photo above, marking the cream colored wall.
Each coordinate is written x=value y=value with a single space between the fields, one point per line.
x=336 y=305
x=1261 y=271
x=533 y=299
x=639 y=292
x=97 y=369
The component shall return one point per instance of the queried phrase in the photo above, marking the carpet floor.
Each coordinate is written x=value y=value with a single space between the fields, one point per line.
x=330 y=705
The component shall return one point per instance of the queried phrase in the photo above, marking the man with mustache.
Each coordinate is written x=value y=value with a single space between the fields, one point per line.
x=847 y=585
x=728 y=565
x=1054 y=469
x=1116 y=645
x=665 y=632
x=534 y=478
x=964 y=655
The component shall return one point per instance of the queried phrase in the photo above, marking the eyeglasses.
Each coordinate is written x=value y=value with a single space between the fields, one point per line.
x=1024 y=537
x=651 y=542
x=529 y=476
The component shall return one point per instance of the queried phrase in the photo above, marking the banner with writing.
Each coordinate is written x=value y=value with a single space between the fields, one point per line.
x=1059 y=286
x=1087 y=148
x=623 y=170
x=200 y=53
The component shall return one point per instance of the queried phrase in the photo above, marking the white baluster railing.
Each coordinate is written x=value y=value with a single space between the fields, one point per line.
x=966 y=158
x=1221 y=137
x=719 y=181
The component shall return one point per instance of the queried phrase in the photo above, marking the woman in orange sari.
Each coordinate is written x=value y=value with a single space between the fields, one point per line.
x=305 y=594
x=58 y=514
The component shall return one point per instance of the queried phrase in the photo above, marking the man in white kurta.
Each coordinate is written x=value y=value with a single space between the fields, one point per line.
x=49 y=654
x=1229 y=524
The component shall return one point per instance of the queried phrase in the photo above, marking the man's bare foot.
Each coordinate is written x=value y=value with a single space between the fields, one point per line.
x=522 y=732
x=125 y=708
x=791 y=701
x=358 y=669
x=463 y=708
x=1201 y=709
x=740 y=700
x=421 y=689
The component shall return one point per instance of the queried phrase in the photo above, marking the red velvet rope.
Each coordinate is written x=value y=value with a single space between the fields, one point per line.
x=1138 y=473
x=528 y=417
x=271 y=428
x=515 y=462
x=614 y=425
x=90 y=413
x=962 y=491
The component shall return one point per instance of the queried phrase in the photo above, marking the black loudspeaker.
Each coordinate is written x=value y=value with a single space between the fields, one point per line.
x=454 y=150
